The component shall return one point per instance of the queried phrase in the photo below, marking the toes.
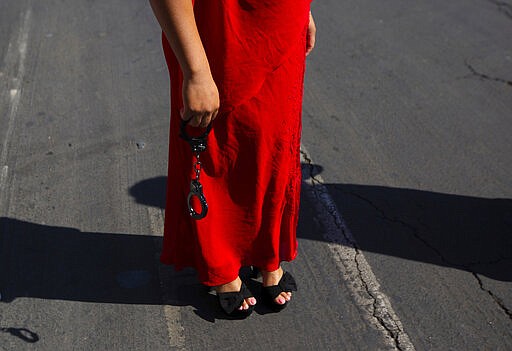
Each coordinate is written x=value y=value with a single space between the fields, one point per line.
x=247 y=303
x=245 y=306
x=280 y=300
x=283 y=298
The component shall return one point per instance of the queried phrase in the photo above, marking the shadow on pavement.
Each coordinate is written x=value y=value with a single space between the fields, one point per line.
x=64 y=263
x=49 y=262
x=23 y=334
x=462 y=232
x=467 y=233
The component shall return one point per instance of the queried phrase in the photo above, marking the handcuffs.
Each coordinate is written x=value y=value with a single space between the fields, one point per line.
x=198 y=144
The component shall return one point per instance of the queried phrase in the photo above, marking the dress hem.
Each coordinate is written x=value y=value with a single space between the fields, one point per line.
x=216 y=282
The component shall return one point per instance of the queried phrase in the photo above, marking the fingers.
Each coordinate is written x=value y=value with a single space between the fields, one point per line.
x=311 y=36
x=214 y=114
x=311 y=44
x=200 y=99
x=205 y=121
x=201 y=120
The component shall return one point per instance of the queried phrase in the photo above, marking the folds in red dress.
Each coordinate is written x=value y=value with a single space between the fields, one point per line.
x=251 y=170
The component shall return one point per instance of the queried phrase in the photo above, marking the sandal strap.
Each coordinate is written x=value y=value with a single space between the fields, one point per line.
x=229 y=301
x=286 y=284
x=246 y=293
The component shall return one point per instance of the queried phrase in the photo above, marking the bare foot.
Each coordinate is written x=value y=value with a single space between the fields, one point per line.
x=235 y=286
x=273 y=278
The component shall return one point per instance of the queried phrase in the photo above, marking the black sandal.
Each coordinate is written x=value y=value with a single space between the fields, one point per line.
x=286 y=284
x=231 y=301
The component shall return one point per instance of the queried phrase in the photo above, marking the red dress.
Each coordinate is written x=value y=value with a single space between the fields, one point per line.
x=251 y=170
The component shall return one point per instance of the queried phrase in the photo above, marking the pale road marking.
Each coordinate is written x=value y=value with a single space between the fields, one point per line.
x=350 y=261
x=356 y=271
x=172 y=314
x=3 y=177
x=16 y=54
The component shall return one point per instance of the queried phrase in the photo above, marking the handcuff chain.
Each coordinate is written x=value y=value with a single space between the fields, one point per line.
x=197 y=166
x=198 y=145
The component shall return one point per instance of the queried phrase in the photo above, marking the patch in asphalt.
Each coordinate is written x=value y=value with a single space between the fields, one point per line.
x=133 y=279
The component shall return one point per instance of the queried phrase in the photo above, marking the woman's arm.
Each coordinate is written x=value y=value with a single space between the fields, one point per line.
x=200 y=94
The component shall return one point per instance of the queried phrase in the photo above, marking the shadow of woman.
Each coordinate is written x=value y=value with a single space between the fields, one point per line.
x=61 y=263
x=50 y=262
x=463 y=232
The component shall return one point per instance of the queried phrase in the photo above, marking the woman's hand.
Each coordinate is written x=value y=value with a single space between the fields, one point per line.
x=200 y=99
x=310 y=41
x=200 y=94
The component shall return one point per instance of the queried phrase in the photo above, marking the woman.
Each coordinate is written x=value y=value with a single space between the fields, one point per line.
x=240 y=63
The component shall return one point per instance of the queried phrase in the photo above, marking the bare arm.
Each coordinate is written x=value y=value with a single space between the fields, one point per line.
x=200 y=94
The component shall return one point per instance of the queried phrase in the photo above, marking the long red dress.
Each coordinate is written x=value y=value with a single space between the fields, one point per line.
x=251 y=170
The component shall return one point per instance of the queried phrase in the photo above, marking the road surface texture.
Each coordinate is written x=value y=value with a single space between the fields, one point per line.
x=405 y=231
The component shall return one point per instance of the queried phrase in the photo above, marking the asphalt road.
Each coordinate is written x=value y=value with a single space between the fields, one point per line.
x=405 y=231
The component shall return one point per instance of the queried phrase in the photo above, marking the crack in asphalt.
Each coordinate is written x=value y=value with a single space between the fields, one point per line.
x=416 y=234
x=379 y=311
x=498 y=260
x=496 y=299
x=387 y=323
x=466 y=267
x=483 y=76
x=503 y=7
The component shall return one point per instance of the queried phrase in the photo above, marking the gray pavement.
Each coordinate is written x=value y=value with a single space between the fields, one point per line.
x=405 y=231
